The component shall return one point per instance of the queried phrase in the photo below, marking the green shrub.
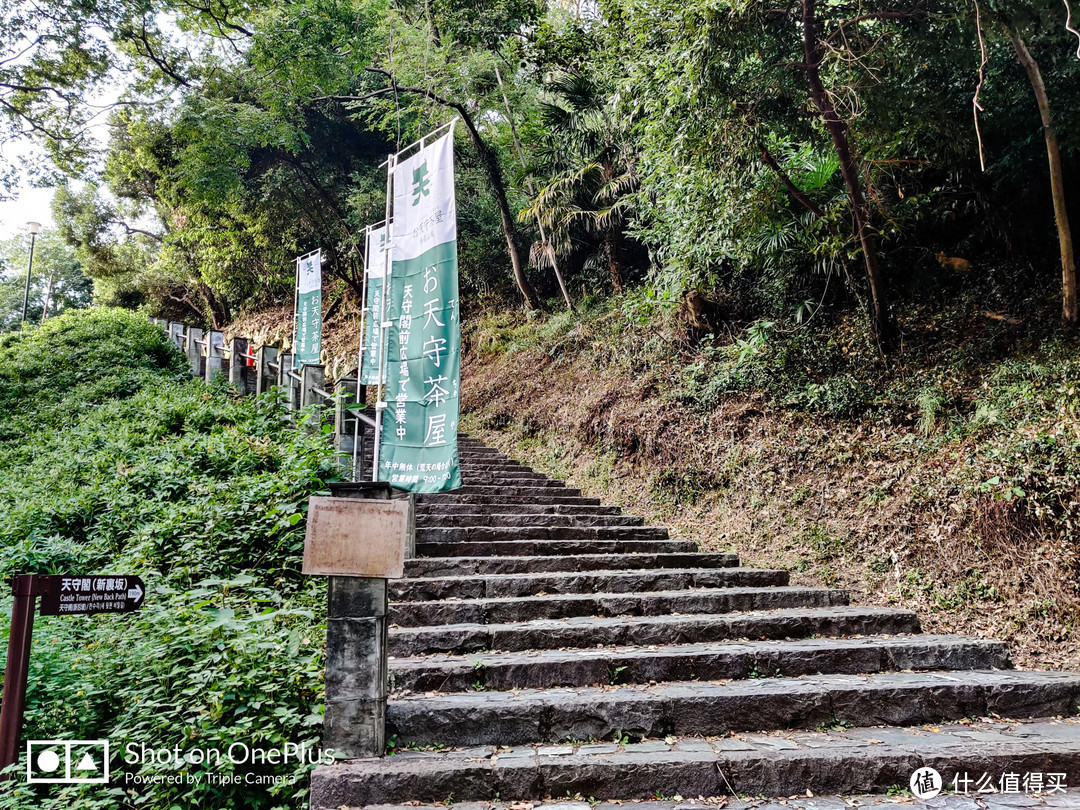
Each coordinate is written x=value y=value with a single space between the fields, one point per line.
x=131 y=469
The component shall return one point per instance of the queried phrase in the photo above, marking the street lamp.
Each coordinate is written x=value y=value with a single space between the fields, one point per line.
x=35 y=229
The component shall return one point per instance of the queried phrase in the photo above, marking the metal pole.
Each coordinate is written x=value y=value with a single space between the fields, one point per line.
x=363 y=313
x=360 y=354
x=18 y=664
x=29 y=267
x=388 y=266
x=532 y=191
x=48 y=295
x=295 y=312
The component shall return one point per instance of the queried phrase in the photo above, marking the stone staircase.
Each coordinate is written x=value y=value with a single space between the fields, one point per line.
x=544 y=646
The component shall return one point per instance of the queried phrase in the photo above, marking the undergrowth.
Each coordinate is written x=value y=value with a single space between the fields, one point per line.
x=113 y=461
x=945 y=479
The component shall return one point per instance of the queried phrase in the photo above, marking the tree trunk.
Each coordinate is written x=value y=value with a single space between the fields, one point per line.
x=216 y=308
x=1057 y=181
x=880 y=320
x=490 y=162
x=532 y=192
x=611 y=253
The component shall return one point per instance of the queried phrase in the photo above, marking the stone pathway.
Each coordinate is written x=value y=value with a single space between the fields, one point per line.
x=1068 y=799
x=544 y=646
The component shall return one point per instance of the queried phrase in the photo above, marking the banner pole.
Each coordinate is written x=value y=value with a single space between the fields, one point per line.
x=388 y=266
x=363 y=313
x=360 y=355
x=427 y=137
x=295 y=309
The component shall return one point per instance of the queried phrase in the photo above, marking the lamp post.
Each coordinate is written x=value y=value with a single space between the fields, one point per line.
x=35 y=229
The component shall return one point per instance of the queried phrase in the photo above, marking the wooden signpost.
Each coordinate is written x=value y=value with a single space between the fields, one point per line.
x=61 y=595
x=359 y=538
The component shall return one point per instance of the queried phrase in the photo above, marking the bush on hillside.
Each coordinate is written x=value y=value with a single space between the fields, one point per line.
x=111 y=462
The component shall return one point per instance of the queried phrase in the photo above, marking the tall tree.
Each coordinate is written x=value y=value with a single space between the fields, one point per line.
x=57 y=280
x=814 y=55
x=587 y=172
x=1013 y=24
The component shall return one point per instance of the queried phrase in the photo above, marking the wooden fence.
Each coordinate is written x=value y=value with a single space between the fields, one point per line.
x=257 y=370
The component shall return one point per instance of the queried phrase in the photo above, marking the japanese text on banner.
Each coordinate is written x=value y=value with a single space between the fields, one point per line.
x=419 y=435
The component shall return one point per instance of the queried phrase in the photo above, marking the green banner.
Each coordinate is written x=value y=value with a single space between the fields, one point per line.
x=423 y=349
x=307 y=345
x=375 y=274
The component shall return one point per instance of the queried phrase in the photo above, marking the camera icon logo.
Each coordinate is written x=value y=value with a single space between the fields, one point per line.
x=67 y=762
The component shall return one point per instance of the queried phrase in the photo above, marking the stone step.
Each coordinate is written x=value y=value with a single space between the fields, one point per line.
x=454 y=534
x=504 y=519
x=545 y=548
x=532 y=488
x=487 y=485
x=502 y=473
x=532 y=584
x=563 y=497
x=1068 y=798
x=697 y=708
x=542 y=669
x=504 y=476
x=495 y=467
x=428 y=508
x=858 y=760
x=514 y=477
x=492 y=464
x=646 y=630
x=568 y=563
x=577 y=605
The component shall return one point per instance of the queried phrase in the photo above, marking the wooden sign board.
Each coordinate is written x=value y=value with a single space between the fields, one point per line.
x=356 y=537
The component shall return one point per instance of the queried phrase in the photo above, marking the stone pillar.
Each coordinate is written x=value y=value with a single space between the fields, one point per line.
x=238 y=349
x=284 y=367
x=266 y=377
x=284 y=381
x=176 y=332
x=312 y=376
x=194 y=350
x=215 y=350
x=356 y=652
x=345 y=425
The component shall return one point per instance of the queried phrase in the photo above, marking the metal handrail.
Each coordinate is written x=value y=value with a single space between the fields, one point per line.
x=359 y=414
x=212 y=347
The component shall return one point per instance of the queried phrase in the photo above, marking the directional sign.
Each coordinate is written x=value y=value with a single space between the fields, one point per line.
x=97 y=593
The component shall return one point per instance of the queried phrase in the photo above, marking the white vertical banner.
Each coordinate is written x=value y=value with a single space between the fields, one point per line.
x=418 y=450
x=377 y=267
x=307 y=339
